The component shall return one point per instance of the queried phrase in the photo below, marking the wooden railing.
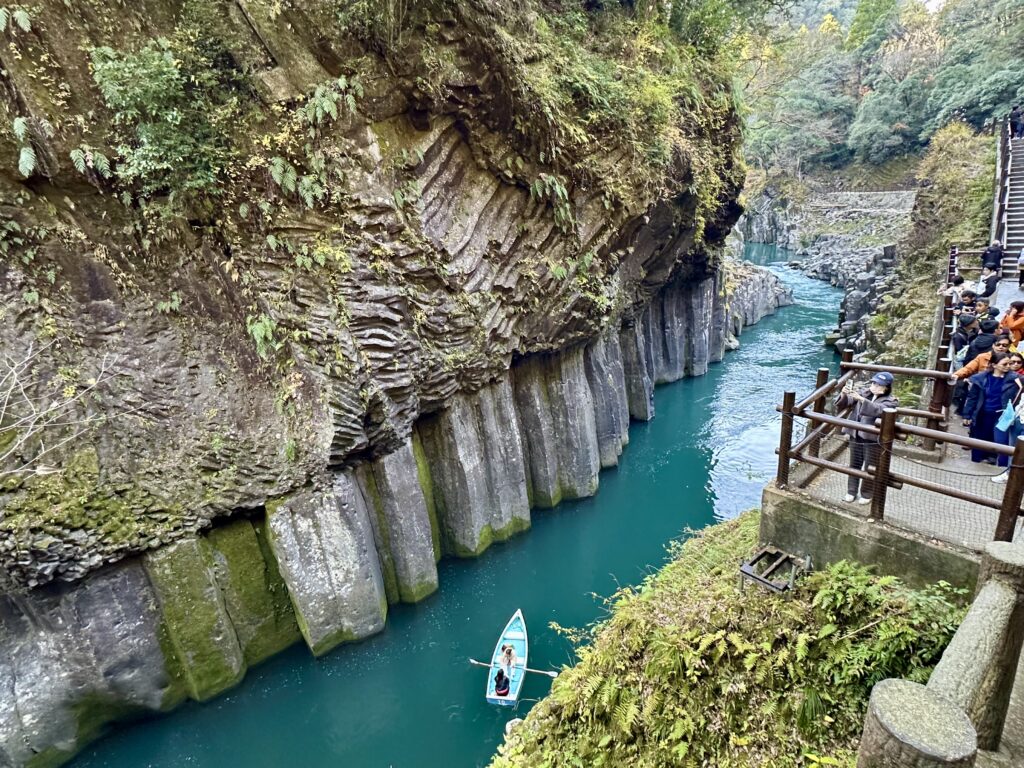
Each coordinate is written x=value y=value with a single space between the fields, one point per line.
x=819 y=425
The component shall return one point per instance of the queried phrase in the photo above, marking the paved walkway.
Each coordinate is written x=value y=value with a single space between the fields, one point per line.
x=934 y=515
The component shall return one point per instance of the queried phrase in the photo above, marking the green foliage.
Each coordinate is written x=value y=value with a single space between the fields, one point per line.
x=871 y=23
x=262 y=328
x=175 y=104
x=551 y=189
x=900 y=71
x=85 y=158
x=170 y=305
x=15 y=17
x=689 y=671
x=380 y=23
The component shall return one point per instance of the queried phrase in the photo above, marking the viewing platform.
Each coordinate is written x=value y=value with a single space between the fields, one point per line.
x=932 y=515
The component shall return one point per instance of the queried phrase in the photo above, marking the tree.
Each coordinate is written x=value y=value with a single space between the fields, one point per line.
x=42 y=413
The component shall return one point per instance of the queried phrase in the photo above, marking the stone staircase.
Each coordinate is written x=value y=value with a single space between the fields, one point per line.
x=1014 y=239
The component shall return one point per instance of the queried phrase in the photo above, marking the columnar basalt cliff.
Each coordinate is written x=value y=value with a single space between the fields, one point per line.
x=398 y=326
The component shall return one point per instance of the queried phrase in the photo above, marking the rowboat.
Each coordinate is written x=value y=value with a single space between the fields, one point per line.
x=514 y=634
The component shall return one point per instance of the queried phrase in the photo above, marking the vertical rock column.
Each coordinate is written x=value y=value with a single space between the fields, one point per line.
x=639 y=379
x=607 y=379
x=195 y=617
x=323 y=542
x=254 y=592
x=74 y=658
x=477 y=475
x=556 y=409
x=403 y=526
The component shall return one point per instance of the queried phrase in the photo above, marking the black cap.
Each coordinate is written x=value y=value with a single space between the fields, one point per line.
x=966 y=318
x=988 y=324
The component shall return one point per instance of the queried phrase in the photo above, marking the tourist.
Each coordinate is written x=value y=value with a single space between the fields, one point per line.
x=968 y=298
x=501 y=683
x=1013 y=321
x=966 y=329
x=987 y=396
x=953 y=288
x=868 y=404
x=984 y=340
x=1020 y=269
x=983 y=308
x=988 y=282
x=980 y=363
x=1016 y=122
x=992 y=257
x=508 y=657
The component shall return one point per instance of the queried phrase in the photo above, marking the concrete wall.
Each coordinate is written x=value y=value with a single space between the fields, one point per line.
x=800 y=524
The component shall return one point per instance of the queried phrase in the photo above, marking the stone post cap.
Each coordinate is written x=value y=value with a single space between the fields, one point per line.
x=1003 y=560
x=931 y=726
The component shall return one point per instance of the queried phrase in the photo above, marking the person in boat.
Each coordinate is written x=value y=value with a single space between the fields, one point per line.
x=501 y=683
x=508 y=658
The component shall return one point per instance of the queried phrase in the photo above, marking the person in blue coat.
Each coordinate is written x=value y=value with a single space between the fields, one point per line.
x=987 y=396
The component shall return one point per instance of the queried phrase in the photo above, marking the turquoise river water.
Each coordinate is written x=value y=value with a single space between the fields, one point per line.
x=407 y=698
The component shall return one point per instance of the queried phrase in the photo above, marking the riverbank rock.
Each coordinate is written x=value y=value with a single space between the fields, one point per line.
x=405 y=527
x=606 y=376
x=323 y=542
x=477 y=471
x=846 y=238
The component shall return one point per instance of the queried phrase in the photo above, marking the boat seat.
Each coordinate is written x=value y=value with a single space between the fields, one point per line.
x=515 y=635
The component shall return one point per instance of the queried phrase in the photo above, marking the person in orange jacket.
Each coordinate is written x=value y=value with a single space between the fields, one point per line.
x=980 y=363
x=1013 y=321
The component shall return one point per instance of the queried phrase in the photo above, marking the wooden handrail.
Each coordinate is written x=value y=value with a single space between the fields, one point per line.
x=822 y=391
x=895 y=370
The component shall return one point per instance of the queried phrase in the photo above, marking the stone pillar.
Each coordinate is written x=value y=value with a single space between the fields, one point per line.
x=603 y=362
x=323 y=542
x=639 y=380
x=908 y=726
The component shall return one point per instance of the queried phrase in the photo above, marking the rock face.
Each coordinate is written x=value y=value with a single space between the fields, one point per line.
x=186 y=620
x=847 y=238
x=332 y=293
x=405 y=527
x=323 y=542
x=474 y=452
x=95 y=645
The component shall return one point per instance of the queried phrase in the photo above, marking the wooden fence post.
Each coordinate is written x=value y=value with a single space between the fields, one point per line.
x=940 y=398
x=882 y=466
x=785 y=439
x=1012 y=495
x=819 y=407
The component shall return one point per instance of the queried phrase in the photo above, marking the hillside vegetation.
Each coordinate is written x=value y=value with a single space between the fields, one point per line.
x=689 y=671
x=876 y=79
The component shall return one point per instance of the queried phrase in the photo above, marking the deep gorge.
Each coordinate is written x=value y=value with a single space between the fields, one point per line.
x=392 y=313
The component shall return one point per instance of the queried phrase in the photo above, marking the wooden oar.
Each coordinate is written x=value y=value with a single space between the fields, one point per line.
x=552 y=675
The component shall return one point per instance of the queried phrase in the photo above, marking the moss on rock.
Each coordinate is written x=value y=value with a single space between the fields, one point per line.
x=199 y=630
x=254 y=592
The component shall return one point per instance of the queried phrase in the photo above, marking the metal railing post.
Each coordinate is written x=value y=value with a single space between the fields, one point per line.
x=785 y=439
x=882 y=466
x=819 y=407
x=1012 y=496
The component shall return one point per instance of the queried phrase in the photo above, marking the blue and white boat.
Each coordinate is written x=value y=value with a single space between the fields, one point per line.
x=514 y=634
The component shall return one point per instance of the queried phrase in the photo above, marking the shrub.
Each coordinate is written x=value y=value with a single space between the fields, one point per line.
x=174 y=104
